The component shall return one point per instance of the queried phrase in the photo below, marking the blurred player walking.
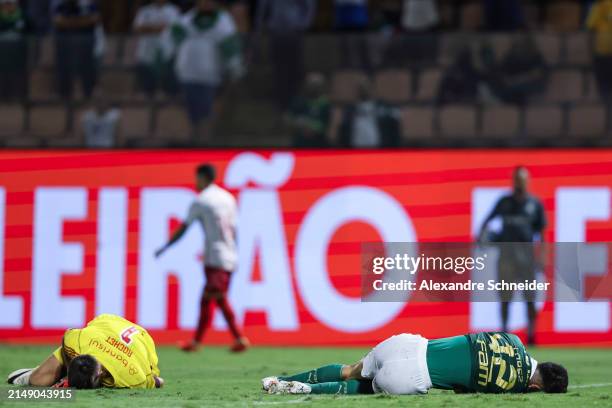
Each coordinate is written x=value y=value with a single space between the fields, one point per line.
x=216 y=210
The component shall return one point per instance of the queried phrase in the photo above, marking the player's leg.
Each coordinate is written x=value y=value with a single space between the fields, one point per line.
x=504 y=308
x=531 y=322
x=219 y=285
x=207 y=307
x=505 y=272
x=328 y=373
x=350 y=387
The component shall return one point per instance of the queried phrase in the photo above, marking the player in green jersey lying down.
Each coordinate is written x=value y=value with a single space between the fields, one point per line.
x=493 y=362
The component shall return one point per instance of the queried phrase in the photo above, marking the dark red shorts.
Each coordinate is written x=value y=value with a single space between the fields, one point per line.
x=217 y=279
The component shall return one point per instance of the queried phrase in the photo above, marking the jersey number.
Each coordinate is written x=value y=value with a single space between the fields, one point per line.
x=126 y=335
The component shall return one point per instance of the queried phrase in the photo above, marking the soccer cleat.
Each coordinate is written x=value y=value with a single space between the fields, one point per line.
x=20 y=377
x=297 y=387
x=240 y=345
x=288 y=387
x=189 y=347
x=266 y=383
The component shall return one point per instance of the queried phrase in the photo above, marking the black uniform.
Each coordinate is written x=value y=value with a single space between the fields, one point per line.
x=522 y=221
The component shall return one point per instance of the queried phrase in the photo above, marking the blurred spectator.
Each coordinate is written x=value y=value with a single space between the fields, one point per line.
x=420 y=15
x=153 y=71
x=208 y=49
x=286 y=21
x=369 y=123
x=600 y=21
x=13 y=66
x=521 y=74
x=310 y=113
x=39 y=15
x=503 y=15
x=386 y=15
x=352 y=18
x=100 y=125
x=76 y=44
x=460 y=82
x=351 y=14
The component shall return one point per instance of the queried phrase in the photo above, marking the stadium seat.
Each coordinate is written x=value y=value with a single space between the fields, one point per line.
x=592 y=91
x=471 y=16
x=543 y=121
x=565 y=86
x=579 y=49
x=128 y=57
x=417 y=123
x=135 y=122
x=11 y=120
x=334 y=124
x=42 y=85
x=564 y=15
x=458 y=121
x=550 y=47
x=67 y=141
x=23 y=142
x=587 y=121
x=393 y=86
x=48 y=120
x=501 y=44
x=173 y=124
x=145 y=143
x=345 y=85
x=111 y=50
x=451 y=43
x=500 y=122
x=117 y=83
x=429 y=82
x=46 y=51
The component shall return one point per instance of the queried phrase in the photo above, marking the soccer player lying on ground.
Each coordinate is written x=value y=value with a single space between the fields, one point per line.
x=405 y=364
x=109 y=352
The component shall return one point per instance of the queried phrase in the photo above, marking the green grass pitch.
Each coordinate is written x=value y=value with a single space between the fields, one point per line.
x=216 y=378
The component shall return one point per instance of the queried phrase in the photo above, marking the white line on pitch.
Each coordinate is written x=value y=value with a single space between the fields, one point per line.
x=590 y=385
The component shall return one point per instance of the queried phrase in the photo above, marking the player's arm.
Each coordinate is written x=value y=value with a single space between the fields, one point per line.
x=176 y=236
x=540 y=222
x=48 y=373
x=483 y=228
x=194 y=212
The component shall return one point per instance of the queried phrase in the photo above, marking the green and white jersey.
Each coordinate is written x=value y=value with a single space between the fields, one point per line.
x=491 y=362
x=205 y=47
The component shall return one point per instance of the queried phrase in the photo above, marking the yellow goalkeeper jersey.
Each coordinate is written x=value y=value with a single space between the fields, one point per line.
x=600 y=21
x=125 y=350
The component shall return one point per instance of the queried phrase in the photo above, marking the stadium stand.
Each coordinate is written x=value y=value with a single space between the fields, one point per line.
x=571 y=105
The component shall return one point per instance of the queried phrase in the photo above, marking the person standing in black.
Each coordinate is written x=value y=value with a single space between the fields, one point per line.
x=75 y=24
x=523 y=221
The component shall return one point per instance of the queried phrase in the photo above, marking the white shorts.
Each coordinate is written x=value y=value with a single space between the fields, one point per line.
x=398 y=365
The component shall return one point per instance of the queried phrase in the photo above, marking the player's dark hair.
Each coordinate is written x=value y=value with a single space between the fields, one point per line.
x=207 y=171
x=554 y=377
x=82 y=372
